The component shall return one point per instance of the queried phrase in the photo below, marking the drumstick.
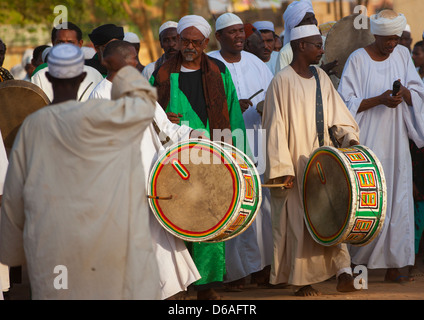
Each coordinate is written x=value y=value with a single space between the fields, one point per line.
x=255 y=94
x=160 y=198
x=277 y=185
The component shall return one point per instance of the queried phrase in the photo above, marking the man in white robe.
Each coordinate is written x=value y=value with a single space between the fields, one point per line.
x=298 y=13
x=289 y=120
x=176 y=267
x=116 y=53
x=72 y=35
x=267 y=30
x=169 y=44
x=251 y=251
x=75 y=205
x=387 y=122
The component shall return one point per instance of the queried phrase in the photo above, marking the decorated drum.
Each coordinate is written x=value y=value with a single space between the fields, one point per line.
x=201 y=190
x=344 y=195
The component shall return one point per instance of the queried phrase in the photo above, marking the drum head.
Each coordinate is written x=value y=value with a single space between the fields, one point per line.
x=343 y=38
x=327 y=196
x=18 y=98
x=205 y=186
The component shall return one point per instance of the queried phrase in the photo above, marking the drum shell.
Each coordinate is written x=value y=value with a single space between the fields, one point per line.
x=359 y=221
x=190 y=217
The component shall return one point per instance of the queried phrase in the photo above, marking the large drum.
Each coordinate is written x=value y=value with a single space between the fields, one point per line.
x=201 y=190
x=344 y=195
x=344 y=38
x=18 y=99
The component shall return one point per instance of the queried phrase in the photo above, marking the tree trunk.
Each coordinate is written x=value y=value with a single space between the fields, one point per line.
x=138 y=14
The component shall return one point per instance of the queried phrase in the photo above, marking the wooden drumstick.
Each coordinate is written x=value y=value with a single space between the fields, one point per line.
x=276 y=185
x=160 y=198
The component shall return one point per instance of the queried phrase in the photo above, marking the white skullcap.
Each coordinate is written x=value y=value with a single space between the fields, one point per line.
x=198 y=22
x=264 y=25
x=226 y=20
x=384 y=25
x=45 y=53
x=167 y=25
x=304 y=31
x=294 y=13
x=65 y=61
x=88 y=52
x=131 y=37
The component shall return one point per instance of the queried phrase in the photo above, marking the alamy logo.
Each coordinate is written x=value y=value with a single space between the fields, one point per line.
x=61 y=280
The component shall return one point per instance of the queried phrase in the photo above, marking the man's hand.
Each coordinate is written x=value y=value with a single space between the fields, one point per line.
x=390 y=101
x=353 y=143
x=245 y=104
x=173 y=117
x=328 y=67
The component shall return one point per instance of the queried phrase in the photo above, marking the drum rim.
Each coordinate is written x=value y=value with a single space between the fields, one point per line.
x=245 y=226
x=349 y=221
x=231 y=217
x=382 y=218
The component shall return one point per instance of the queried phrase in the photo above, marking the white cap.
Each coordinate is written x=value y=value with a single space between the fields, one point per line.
x=65 y=61
x=131 y=37
x=167 y=25
x=226 y=20
x=304 y=31
x=264 y=25
x=45 y=53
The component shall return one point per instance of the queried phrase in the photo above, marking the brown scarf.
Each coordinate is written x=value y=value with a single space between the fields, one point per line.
x=213 y=89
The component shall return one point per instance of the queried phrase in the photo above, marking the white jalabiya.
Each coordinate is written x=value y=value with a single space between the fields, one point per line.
x=176 y=267
x=252 y=250
x=75 y=197
x=272 y=62
x=91 y=80
x=386 y=131
x=102 y=90
x=289 y=118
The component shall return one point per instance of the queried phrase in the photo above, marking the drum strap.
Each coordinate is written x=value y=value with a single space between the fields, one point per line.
x=167 y=139
x=319 y=115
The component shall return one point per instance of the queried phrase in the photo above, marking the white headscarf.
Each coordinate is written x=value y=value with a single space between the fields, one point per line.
x=294 y=13
x=385 y=26
x=198 y=22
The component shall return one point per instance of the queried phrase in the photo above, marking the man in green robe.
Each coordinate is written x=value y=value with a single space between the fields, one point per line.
x=198 y=91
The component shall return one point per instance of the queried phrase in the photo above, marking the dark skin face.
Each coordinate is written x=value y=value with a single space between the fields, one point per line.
x=192 y=43
x=382 y=47
x=406 y=39
x=169 y=42
x=269 y=41
x=231 y=40
x=67 y=36
x=418 y=56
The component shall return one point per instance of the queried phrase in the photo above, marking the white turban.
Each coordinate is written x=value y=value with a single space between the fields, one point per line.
x=294 y=13
x=264 y=25
x=198 y=22
x=131 y=37
x=167 y=25
x=387 y=26
x=304 y=31
x=65 y=61
x=226 y=20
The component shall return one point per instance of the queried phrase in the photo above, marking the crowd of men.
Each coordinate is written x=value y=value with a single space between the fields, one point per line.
x=75 y=182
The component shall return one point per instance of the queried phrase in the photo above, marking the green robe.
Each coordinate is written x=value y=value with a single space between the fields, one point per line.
x=208 y=257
